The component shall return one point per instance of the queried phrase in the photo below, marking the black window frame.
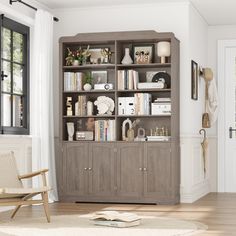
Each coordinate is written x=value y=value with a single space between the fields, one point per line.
x=25 y=31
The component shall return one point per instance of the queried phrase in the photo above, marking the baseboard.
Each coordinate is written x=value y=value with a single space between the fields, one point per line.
x=198 y=191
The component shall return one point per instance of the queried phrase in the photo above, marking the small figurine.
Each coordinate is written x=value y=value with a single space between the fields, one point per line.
x=69 y=111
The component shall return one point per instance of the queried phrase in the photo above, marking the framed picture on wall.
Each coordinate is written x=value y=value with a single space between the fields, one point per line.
x=194 y=83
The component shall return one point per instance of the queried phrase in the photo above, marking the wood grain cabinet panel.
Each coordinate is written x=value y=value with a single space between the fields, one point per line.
x=102 y=169
x=75 y=174
x=157 y=170
x=129 y=170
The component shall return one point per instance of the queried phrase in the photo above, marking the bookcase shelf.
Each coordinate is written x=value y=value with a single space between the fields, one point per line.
x=113 y=162
x=90 y=66
x=151 y=65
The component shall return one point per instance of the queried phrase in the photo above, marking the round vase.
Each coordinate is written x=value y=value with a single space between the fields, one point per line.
x=87 y=87
x=75 y=63
x=127 y=58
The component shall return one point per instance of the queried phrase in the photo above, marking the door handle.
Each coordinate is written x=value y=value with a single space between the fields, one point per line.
x=230 y=132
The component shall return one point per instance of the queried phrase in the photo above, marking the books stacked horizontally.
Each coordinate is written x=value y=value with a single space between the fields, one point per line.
x=73 y=81
x=116 y=219
x=80 y=106
x=105 y=130
x=127 y=79
x=142 y=103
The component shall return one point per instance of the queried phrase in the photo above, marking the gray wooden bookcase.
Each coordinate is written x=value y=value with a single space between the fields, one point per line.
x=119 y=171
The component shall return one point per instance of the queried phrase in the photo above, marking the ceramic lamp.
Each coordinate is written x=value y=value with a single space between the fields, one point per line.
x=163 y=50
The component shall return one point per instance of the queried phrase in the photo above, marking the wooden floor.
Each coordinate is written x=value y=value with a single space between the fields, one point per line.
x=217 y=210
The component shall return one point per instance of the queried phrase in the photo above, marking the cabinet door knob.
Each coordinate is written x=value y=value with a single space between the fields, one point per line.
x=140 y=168
x=89 y=168
x=144 y=169
x=85 y=168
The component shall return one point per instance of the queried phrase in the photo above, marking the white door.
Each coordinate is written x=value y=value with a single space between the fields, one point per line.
x=227 y=118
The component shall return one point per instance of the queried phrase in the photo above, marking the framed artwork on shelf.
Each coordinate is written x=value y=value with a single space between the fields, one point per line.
x=99 y=77
x=99 y=55
x=143 y=54
x=194 y=80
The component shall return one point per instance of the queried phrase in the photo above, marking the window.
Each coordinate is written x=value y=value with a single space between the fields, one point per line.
x=14 y=83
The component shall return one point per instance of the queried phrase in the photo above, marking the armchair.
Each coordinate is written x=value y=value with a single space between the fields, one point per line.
x=12 y=192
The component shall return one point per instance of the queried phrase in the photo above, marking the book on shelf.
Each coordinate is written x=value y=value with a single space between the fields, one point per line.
x=142 y=103
x=80 y=106
x=127 y=79
x=116 y=219
x=105 y=130
x=73 y=81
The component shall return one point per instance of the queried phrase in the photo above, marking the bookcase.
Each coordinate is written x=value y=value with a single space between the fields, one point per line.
x=109 y=168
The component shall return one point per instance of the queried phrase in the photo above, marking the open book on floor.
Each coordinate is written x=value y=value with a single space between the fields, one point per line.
x=116 y=219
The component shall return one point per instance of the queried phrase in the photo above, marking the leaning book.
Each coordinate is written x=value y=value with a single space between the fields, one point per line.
x=116 y=219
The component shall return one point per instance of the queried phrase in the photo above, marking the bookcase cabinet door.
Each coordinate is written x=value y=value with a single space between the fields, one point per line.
x=157 y=174
x=129 y=170
x=75 y=173
x=101 y=169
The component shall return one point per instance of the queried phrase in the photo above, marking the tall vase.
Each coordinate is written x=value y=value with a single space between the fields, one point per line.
x=127 y=58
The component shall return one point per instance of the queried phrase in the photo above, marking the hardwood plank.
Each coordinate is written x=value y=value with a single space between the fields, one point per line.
x=217 y=210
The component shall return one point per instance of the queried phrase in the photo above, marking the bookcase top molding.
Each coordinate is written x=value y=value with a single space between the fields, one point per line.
x=117 y=36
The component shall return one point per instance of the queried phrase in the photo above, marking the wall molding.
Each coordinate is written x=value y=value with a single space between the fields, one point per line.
x=194 y=184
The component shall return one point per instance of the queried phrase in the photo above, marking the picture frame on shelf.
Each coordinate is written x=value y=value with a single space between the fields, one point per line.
x=143 y=54
x=99 y=77
x=194 y=80
x=97 y=55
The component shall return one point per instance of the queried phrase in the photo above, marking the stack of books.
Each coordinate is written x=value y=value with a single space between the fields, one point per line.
x=80 y=106
x=127 y=79
x=73 y=81
x=142 y=103
x=105 y=130
x=116 y=219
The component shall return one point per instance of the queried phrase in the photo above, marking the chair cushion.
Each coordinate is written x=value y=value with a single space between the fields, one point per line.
x=8 y=171
x=20 y=192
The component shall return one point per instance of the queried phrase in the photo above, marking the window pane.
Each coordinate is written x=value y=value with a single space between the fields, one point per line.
x=17 y=79
x=17 y=111
x=6 y=83
x=17 y=47
x=6 y=110
x=6 y=43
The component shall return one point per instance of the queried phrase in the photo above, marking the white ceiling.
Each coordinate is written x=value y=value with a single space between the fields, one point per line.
x=215 y=12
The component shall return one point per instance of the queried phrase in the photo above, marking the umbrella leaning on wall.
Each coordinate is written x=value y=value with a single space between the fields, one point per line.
x=204 y=145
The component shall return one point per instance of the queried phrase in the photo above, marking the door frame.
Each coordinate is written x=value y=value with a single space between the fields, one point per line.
x=222 y=129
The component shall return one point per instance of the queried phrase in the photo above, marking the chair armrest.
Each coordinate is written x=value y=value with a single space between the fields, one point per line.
x=35 y=173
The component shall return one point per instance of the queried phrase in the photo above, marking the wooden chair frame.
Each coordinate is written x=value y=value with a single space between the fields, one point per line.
x=27 y=199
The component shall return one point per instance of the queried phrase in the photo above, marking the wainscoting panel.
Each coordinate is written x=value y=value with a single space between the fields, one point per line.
x=194 y=183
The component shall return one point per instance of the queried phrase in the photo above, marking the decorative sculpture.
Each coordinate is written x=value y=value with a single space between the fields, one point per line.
x=69 y=111
x=105 y=105
x=70 y=130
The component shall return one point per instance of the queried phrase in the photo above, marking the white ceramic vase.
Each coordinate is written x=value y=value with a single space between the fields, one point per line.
x=127 y=58
x=75 y=63
x=87 y=87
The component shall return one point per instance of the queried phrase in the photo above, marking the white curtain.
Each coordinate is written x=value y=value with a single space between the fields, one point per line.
x=42 y=100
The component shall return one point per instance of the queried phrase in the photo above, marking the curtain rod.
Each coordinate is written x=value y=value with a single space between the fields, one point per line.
x=34 y=8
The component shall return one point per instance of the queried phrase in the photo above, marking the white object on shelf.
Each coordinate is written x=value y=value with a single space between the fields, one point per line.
x=105 y=105
x=70 y=130
x=87 y=87
x=104 y=86
x=152 y=85
x=163 y=50
x=158 y=138
x=126 y=106
x=89 y=108
x=161 y=109
x=127 y=58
